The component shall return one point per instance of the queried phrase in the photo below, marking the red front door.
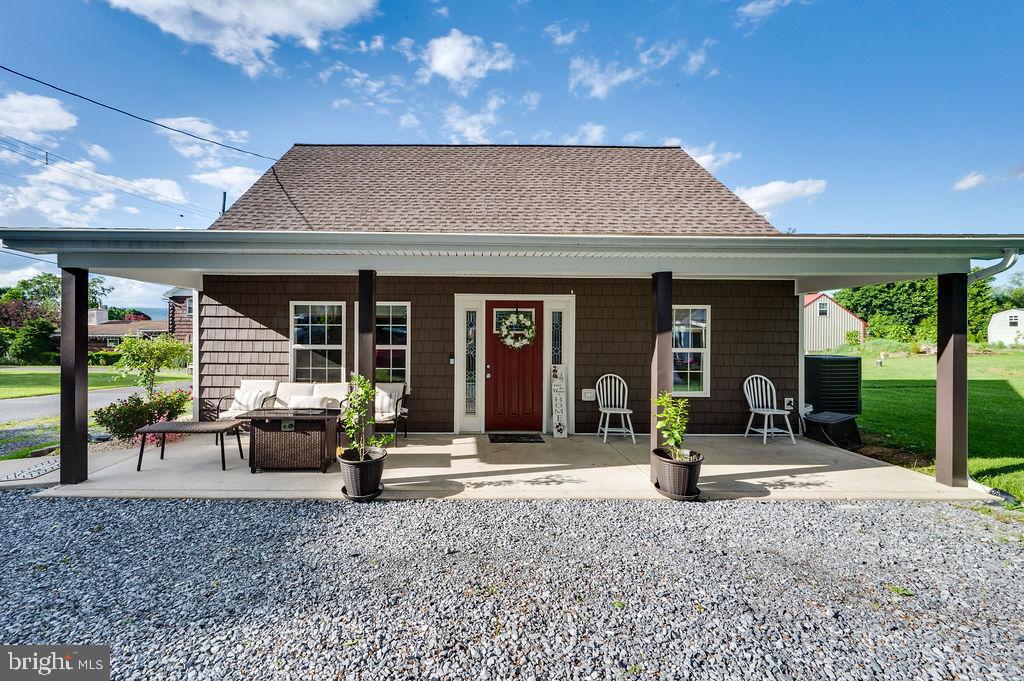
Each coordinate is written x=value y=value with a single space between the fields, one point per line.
x=514 y=377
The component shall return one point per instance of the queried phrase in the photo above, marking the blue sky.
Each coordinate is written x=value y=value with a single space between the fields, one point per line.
x=828 y=116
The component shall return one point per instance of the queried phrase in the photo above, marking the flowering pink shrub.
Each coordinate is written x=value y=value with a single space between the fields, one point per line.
x=122 y=418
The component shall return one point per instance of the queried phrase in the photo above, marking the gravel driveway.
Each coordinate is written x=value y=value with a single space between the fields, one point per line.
x=522 y=589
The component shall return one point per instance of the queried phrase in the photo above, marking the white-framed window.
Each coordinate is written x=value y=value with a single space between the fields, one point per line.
x=188 y=306
x=691 y=350
x=391 y=338
x=317 y=333
x=1013 y=320
x=822 y=308
x=113 y=342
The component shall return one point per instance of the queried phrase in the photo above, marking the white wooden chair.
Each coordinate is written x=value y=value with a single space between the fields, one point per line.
x=760 y=394
x=612 y=398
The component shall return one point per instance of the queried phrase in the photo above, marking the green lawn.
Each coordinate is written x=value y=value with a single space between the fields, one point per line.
x=899 y=408
x=32 y=381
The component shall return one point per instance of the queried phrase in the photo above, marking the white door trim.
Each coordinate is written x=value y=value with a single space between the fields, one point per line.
x=565 y=303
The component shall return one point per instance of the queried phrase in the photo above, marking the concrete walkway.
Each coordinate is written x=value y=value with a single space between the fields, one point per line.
x=42 y=406
x=469 y=467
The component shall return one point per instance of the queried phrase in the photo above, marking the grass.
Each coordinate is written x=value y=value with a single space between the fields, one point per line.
x=899 y=412
x=33 y=381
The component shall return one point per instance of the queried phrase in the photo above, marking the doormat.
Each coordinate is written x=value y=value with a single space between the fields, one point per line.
x=514 y=438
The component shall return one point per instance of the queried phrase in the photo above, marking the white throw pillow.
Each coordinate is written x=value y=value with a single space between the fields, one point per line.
x=246 y=400
x=307 y=402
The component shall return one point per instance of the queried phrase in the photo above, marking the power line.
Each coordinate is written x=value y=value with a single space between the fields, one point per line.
x=136 y=116
x=23 y=255
x=110 y=182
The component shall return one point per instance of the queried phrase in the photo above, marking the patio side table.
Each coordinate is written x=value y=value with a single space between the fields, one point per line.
x=290 y=439
x=190 y=428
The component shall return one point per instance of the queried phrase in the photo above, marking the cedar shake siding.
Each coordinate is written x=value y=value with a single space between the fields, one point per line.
x=244 y=327
x=179 y=322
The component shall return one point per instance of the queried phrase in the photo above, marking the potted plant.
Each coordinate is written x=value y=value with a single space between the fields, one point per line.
x=675 y=470
x=362 y=462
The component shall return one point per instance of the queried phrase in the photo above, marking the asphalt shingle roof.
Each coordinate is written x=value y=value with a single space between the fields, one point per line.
x=491 y=189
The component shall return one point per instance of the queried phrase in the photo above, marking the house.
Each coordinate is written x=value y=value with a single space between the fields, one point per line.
x=401 y=262
x=106 y=334
x=1005 y=327
x=827 y=323
x=179 y=313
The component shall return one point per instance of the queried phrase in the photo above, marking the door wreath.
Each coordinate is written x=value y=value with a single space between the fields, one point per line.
x=517 y=330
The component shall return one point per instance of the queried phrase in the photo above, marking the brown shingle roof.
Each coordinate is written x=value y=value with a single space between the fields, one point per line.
x=491 y=189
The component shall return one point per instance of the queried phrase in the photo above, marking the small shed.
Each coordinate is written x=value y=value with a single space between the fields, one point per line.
x=826 y=323
x=1006 y=327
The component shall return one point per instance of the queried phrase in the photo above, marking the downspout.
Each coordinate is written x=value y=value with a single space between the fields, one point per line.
x=1010 y=256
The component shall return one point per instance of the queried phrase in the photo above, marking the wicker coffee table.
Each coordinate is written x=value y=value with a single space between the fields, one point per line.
x=221 y=428
x=288 y=439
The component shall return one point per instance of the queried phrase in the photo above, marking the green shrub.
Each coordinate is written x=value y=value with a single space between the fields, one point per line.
x=104 y=358
x=33 y=343
x=122 y=418
x=48 y=359
x=673 y=417
x=884 y=326
x=7 y=335
x=852 y=338
x=928 y=330
x=145 y=357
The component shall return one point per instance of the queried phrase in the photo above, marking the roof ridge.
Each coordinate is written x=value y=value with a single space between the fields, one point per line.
x=511 y=146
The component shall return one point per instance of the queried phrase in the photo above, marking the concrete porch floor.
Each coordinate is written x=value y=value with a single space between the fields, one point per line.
x=470 y=467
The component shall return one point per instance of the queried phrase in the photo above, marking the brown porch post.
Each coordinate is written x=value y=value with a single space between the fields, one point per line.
x=951 y=382
x=661 y=346
x=365 y=325
x=74 y=375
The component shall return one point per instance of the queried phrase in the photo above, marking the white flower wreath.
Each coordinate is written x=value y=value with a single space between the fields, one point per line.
x=517 y=330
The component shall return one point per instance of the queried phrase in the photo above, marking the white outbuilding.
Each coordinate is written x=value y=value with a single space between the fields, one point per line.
x=1005 y=327
x=826 y=323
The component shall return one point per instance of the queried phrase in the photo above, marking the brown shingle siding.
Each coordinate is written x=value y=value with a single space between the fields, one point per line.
x=754 y=329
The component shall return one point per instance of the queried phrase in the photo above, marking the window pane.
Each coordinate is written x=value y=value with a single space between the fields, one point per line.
x=335 y=358
x=335 y=335
x=398 y=335
x=301 y=359
x=334 y=315
x=383 y=335
x=556 y=337
x=334 y=376
x=382 y=375
x=398 y=359
x=398 y=375
x=383 y=315
x=383 y=358
x=470 y=362
x=317 y=335
x=302 y=335
x=399 y=315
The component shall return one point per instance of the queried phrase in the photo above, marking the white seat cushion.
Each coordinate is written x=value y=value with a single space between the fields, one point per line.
x=246 y=400
x=336 y=393
x=270 y=385
x=615 y=410
x=287 y=390
x=385 y=401
x=307 y=402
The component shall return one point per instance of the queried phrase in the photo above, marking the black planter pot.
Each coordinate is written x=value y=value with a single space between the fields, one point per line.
x=675 y=479
x=361 y=479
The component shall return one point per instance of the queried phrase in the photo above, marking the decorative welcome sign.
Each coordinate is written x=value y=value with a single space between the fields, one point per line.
x=559 y=426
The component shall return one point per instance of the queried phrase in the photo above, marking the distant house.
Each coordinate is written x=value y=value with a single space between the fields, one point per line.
x=179 y=313
x=826 y=323
x=106 y=334
x=1006 y=327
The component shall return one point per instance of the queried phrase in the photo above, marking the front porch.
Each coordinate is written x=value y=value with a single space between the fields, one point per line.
x=470 y=467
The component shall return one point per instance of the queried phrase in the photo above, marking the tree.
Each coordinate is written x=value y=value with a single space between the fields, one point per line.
x=15 y=313
x=1011 y=294
x=6 y=338
x=980 y=307
x=33 y=343
x=130 y=314
x=44 y=290
x=146 y=357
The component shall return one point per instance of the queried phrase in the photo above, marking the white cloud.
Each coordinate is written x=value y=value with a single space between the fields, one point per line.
x=375 y=45
x=588 y=133
x=755 y=12
x=463 y=60
x=132 y=210
x=970 y=181
x=405 y=47
x=14 y=276
x=530 y=100
x=31 y=117
x=671 y=142
x=97 y=152
x=409 y=120
x=56 y=193
x=377 y=94
x=709 y=158
x=597 y=79
x=771 y=194
x=441 y=12
x=203 y=154
x=472 y=128
x=246 y=32
x=697 y=59
x=633 y=137
x=563 y=38
x=233 y=179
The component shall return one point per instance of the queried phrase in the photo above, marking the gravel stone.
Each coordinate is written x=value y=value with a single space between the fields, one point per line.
x=196 y=589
